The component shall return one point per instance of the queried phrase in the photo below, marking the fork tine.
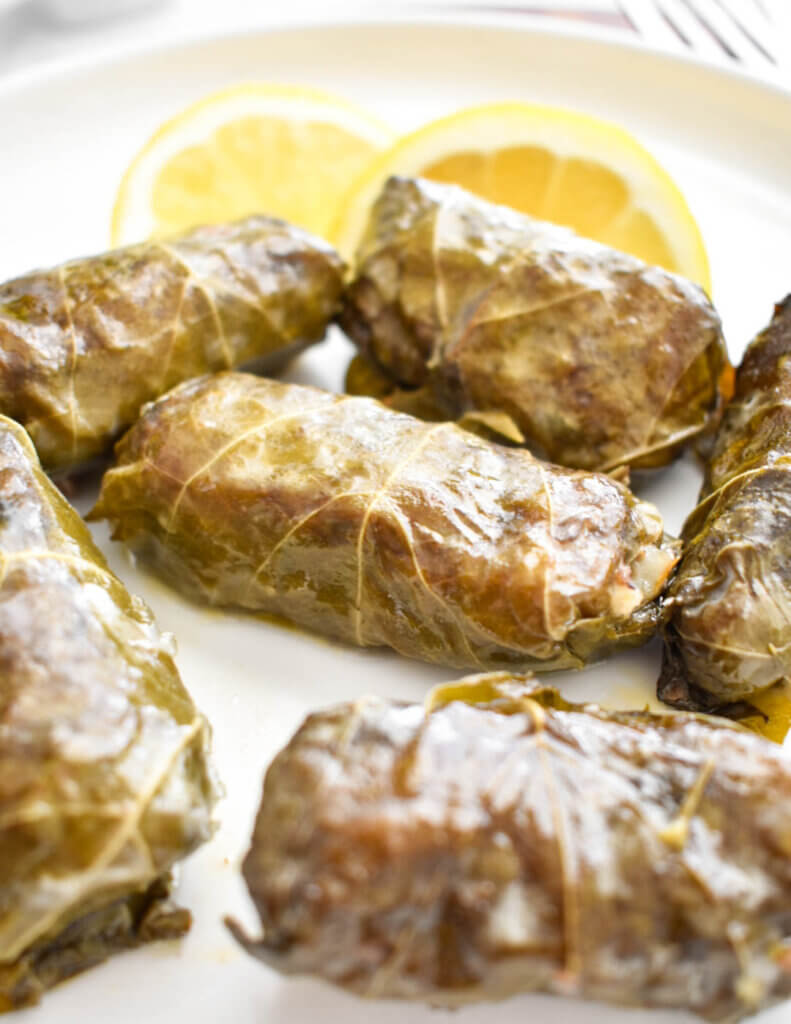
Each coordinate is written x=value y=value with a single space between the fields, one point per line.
x=755 y=25
x=648 y=22
x=728 y=32
x=690 y=28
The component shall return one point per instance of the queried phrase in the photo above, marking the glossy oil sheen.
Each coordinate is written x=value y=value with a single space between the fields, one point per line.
x=636 y=858
x=83 y=346
x=599 y=360
x=729 y=635
x=104 y=775
x=379 y=529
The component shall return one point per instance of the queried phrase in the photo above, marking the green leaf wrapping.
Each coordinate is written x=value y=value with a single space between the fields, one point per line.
x=85 y=345
x=598 y=360
x=501 y=840
x=104 y=777
x=380 y=529
x=729 y=634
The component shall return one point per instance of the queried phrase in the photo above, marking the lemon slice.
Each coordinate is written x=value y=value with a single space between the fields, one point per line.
x=253 y=148
x=554 y=164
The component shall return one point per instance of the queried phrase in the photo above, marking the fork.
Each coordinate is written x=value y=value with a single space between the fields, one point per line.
x=740 y=30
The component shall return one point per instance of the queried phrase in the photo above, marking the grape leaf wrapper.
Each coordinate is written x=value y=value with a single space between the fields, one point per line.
x=85 y=345
x=105 y=781
x=596 y=359
x=499 y=839
x=728 y=638
x=379 y=529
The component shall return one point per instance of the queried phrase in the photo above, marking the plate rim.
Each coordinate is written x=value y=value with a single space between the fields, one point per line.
x=593 y=36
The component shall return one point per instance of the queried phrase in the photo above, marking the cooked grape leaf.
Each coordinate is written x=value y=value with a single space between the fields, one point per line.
x=500 y=839
x=729 y=634
x=104 y=774
x=596 y=359
x=379 y=529
x=85 y=345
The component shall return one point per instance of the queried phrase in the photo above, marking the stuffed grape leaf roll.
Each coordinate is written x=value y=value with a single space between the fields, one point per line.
x=501 y=840
x=104 y=775
x=83 y=346
x=380 y=529
x=729 y=633
x=596 y=359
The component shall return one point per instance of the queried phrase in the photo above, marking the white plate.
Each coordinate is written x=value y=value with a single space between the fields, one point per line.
x=66 y=139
